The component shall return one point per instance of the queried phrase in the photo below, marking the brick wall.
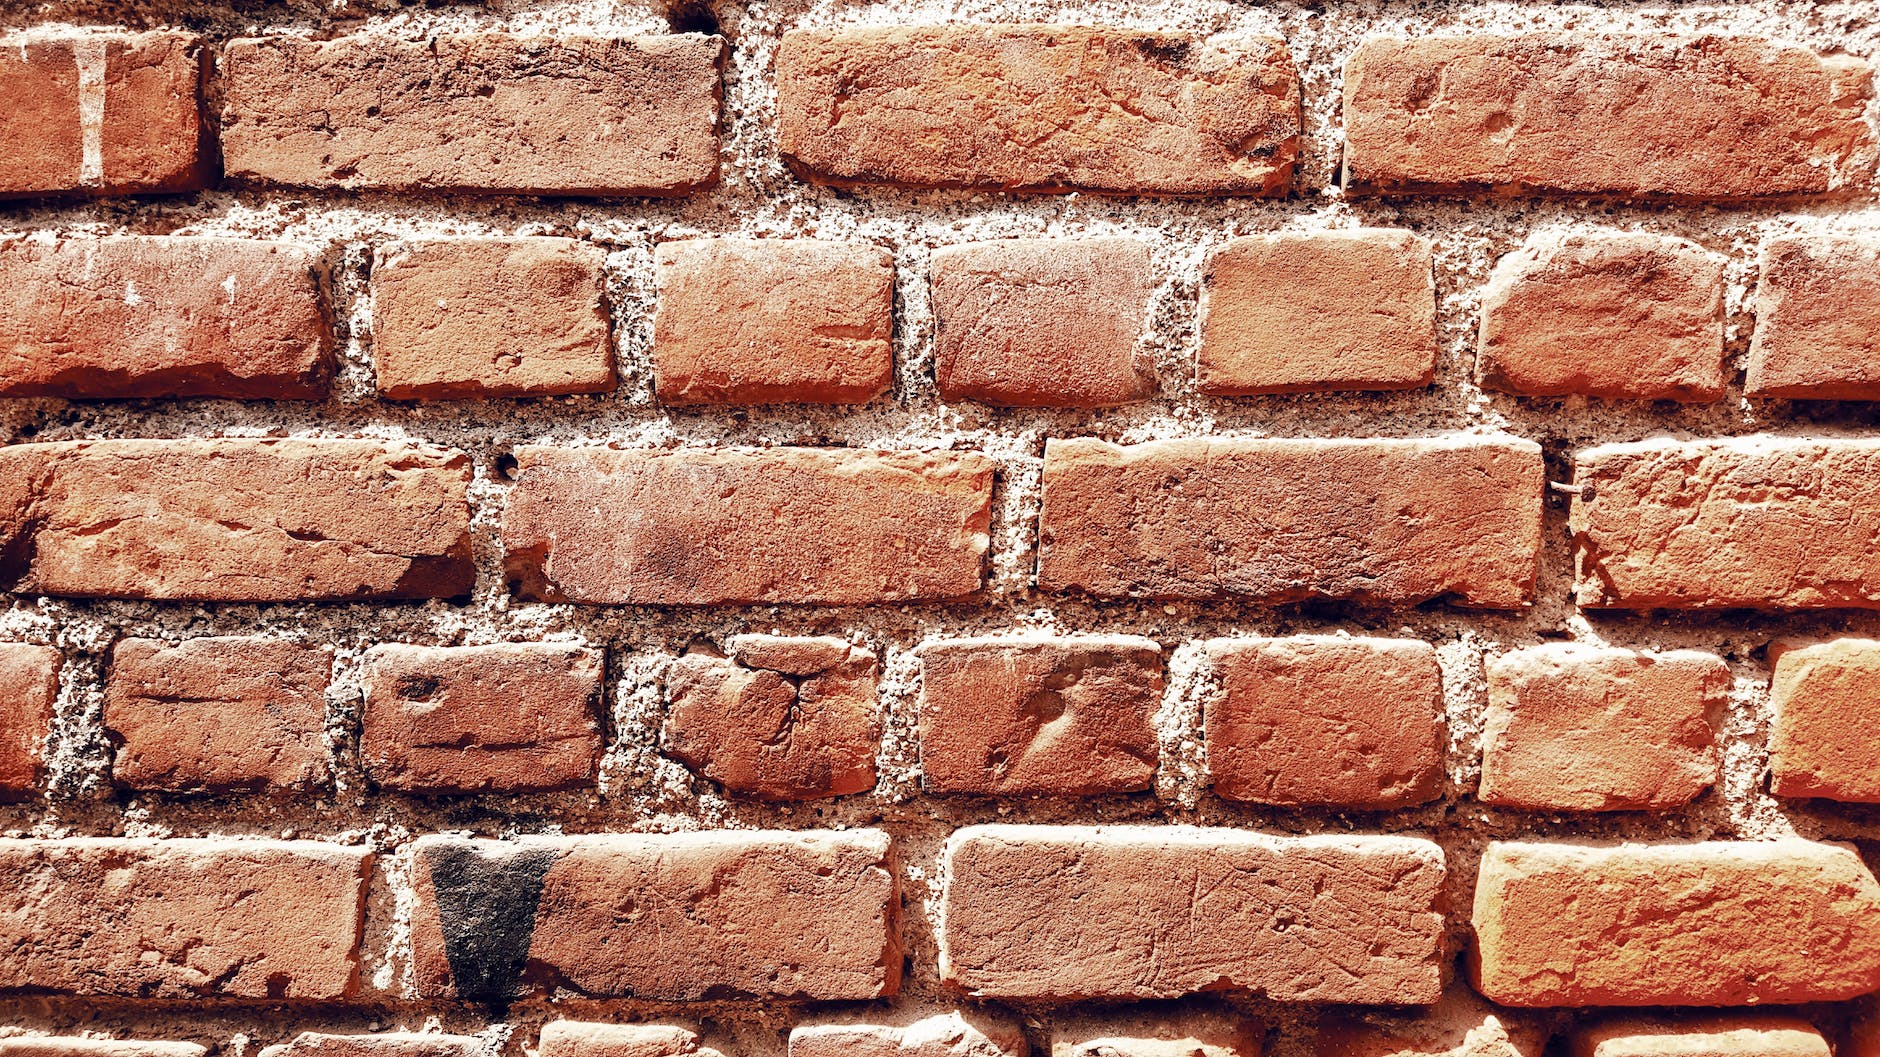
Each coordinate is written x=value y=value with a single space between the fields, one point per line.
x=1143 y=529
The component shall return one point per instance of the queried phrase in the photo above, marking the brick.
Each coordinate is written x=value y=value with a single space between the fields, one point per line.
x=489 y=317
x=100 y=113
x=1059 y=913
x=384 y=1044
x=1864 y=1033
x=1724 y=923
x=1056 y=716
x=715 y=526
x=1378 y=521
x=566 y=114
x=1646 y=115
x=1621 y=316
x=1156 y=1031
x=1821 y=742
x=1043 y=322
x=804 y=915
x=1315 y=312
x=1817 y=333
x=1772 y=522
x=182 y=919
x=1589 y=728
x=574 y=1038
x=218 y=713
x=1461 y=1025
x=234 y=520
x=78 y=1046
x=1033 y=108
x=163 y=316
x=950 y=1034
x=762 y=321
x=1743 y=1036
x=29 y=688
x=1325 y=720
x=780 y=718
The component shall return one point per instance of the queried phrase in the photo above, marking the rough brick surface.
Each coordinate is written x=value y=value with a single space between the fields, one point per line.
x=1610 y=315
x=181 y=919
x=1157 y=1031
x=1384 y=521
x=1637 y=115
x=1060 y=913
x=952 y=1034
x=384 y=1044
x=1817 y=331
x=1461 y=1025
x=546 y=114
x=1057 y=716
x=1725 y=923
x=805 y=915
x=757 y=321
x=510 y=717
x=1043 y=322
x=1324 y=720
x=234 y=520
x=158 y=315
x=29 y=688
x=573 y=1038
x=1329 y=310
x=1826 y=698
x=78 y=1046
x=483 y=317
x=698 y=527
x=1035 y=108
x=218 y=713
x=1741 y=1036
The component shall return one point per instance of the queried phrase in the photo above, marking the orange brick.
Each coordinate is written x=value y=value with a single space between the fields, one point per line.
x=1817 y=331
x=1741 y=1036
x=1319 y=311
x=77 y=1046
x=1154 y=1030
x=1461 y=1025
x=1031 y=108
x=572 y=1038
x=952 y=1034
x=1822 y=742
x=29 y=688
x=383 y=1044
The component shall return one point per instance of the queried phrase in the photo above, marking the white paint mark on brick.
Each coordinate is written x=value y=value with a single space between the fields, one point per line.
x=89 y=53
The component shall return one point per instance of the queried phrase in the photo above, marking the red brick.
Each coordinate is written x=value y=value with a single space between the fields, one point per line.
x=1817 y=331
x=1326 y=720
x=1461 y=1025
x=1724 y=923
x=181 y=919
x=29 y=688
x=805 y=915
x=1622 y=316
x=1312 y=312
x=712 y=526
x=1589 y=728
x=163 y=316
x=781 y=718
x=1744 y=1036
x=1822 y=741
x=77 y=1046
x=1033 y=108
x=386 y=1044
x=1158 y=1031
x=951 y=1034
x=218 y=713
x=489 y=317
x=1115 y=912
x=102 y=113
x=1640 y=115
x=512 y=717
x=573 y=1038
x=234 y=520
x=1380 y=521
x=1069 y=716
x=759 y=321
x=560 y=113
x=1043 y=322
x=1776 y=522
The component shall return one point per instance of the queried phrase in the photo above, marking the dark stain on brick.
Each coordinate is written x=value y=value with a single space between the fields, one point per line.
x=487 y=894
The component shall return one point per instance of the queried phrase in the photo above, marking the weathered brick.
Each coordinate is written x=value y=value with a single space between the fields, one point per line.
x=710 y=526
x=781 y=718
x=1822 y=741
x=29 y=687
x=1310 y=312
x=511 y=717
x=489 y=317
x=79 y=1046
x=1817 y=331
x=1058 y=716
x=1064 y=912
x=952 y=1034
x=574 y=1038
x=759 y=321
x=1043 y=322
x=1778 y=522
x=218 y=713
x=1637 y=115
x=1724 y=923
x=1461 y=1025
x=1744 y=1036
x=1326 y=720
x=1155 y=1031
x=561 y=113
x=383 y=1044
x=179 y=919
x=234 y=520
x=163 y=316
x=1033 y=108
x=100 y=113
x=1382 y=521
x=1622 y=316
x=680 y=917
x=1589 y=728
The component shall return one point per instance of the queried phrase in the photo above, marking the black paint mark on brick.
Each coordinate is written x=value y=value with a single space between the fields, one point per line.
x=487 y=894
